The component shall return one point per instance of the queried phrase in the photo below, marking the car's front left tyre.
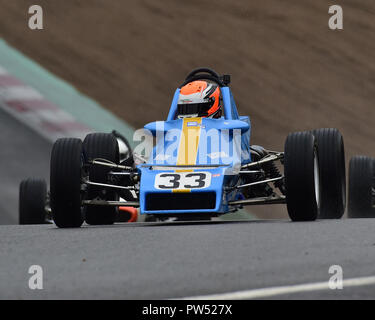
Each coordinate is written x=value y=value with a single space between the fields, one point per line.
x=65 y=182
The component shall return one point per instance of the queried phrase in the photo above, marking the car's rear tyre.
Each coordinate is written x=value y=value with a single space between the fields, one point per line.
x=66 y=166
x=302 y=181
x=104 y=146
x=32 y=201
x=332 y=173
x=361 y=184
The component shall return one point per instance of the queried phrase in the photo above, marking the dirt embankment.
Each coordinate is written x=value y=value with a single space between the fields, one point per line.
x=289 y=70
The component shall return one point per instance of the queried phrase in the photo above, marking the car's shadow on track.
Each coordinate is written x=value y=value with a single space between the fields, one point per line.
x=184 y=223
x=142 y=224
x=170 y=223
x=181 y=223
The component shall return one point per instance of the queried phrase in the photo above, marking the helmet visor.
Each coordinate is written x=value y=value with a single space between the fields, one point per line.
x=195 y=109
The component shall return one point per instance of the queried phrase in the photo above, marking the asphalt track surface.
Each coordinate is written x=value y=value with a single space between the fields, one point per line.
x=23 y=154
x=176 y=260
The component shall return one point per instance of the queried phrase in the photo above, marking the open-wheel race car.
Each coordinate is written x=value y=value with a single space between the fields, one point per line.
x=361 y=202
x=202 y=166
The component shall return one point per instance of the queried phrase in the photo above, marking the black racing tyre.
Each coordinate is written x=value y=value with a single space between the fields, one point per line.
x=332 y=173
x=301 y=169
x=65 y=183
x=361 y=184
x=32 y=201
x=104 y=146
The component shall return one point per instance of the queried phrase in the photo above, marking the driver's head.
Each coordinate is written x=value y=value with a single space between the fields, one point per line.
x=199 y=99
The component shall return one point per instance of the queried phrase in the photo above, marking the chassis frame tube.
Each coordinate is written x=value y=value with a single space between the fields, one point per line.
x=108 y=185
x=110 y=203
x=110 y=165
x=269 y=158
x=260 y=201
x=259 y=182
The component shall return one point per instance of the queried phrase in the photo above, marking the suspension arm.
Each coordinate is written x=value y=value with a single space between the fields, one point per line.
x=259 y=201
x=269 y=158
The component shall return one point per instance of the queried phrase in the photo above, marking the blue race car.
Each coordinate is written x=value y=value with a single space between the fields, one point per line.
x=201 y=166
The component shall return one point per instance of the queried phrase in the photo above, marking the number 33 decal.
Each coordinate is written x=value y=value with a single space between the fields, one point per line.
x=183 y=180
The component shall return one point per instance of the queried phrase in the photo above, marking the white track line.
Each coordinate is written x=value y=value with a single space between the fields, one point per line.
x=275 y=291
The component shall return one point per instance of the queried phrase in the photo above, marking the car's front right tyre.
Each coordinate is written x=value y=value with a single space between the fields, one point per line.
x=65 y=182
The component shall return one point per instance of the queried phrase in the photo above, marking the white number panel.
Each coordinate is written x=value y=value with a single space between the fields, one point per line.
x=182 y=180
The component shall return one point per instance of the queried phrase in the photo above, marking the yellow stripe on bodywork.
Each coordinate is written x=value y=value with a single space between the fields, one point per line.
x=181 y=190
x=189 y=142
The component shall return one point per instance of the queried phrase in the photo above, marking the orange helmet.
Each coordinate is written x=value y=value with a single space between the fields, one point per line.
x=199 y=99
